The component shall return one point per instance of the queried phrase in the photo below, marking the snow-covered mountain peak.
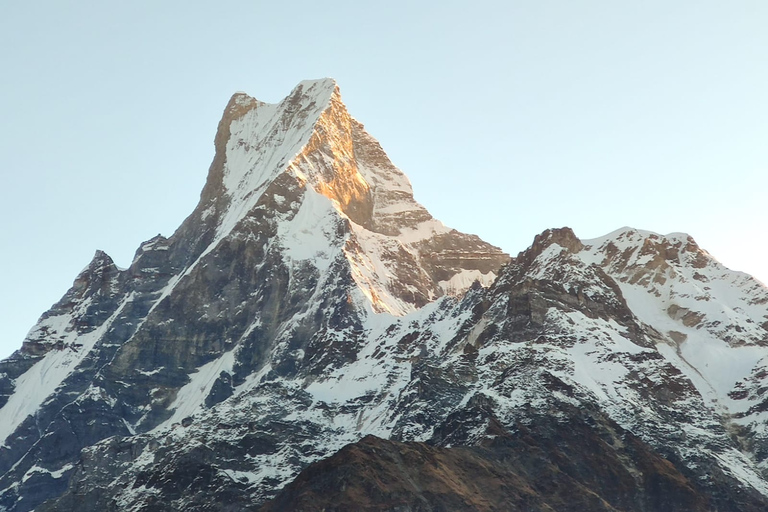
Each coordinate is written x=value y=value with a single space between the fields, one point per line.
x=684 y=276
x=100 y=261
x=311 y=135
x=713 y=320
x=295 y=310
x=255 y=143
x=295 y=159
x=709 y=321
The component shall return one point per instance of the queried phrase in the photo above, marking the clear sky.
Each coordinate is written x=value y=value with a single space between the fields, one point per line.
x=508 y=116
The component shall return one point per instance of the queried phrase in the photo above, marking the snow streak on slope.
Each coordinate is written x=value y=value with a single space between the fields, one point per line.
x=191 y=397
x=45 y=376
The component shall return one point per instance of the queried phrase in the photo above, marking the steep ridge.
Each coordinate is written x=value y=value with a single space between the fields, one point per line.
x=304 y=233
x=309 y=301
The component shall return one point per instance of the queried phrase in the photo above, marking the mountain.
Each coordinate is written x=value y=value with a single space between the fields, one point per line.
x=304 y=236
x=310 y=338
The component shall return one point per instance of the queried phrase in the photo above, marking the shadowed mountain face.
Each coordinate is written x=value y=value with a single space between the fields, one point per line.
x=309 y=303
x=564 y=466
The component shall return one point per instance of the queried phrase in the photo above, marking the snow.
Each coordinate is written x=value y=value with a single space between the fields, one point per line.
x=263 y=143
x=423 y=231
x=54 y=474
x=191 y=397
x=260 y=147
x=60 y=472
x=720 y=296
x=593 y=355
x=42 y=379
x=357 y=379
x=270 y=139
x=460 y=282
x=129 y=427
x=717 y=351
x=151 y=372
x=739 y=465
x=371 y=269
x=592 y=369
x=721 y=365
x=628 y=237
x=311 y=232
x=248 y=477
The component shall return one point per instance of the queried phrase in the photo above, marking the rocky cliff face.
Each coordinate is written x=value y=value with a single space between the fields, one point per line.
x=309 y=301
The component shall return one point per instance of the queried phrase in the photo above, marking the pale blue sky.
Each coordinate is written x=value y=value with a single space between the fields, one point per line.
x=509 y=118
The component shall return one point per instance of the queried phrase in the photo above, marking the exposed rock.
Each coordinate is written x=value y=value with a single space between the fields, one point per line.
x=578 y=465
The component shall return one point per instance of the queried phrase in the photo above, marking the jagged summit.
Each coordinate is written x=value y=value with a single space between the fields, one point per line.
x=629 y=236
x=255 y=141
x=310 y=135
x=630 y=247
x=306 y=154
x=712 y=319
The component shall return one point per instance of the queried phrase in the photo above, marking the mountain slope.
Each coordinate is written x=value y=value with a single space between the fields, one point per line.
x=309 y=301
